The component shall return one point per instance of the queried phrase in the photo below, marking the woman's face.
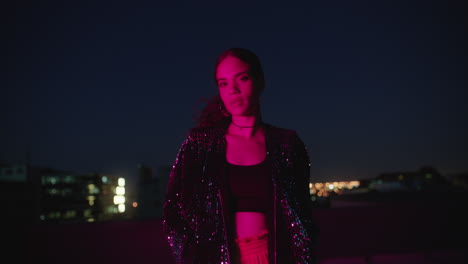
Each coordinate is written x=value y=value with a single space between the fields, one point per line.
x=236 y=87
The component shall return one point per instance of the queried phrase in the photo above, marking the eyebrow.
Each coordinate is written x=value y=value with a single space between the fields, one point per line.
x=234 y=75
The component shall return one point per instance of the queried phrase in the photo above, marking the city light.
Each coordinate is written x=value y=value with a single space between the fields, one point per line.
x=119 y=199
x=327 y=188
x=91 y=199
x=119 y=190
x=121 y=181
x=93 y=189
x=121 y=208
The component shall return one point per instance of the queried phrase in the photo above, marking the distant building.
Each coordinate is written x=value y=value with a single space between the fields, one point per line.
x=13 y=172
x=18 y=193
x=459 y=180
x=148 y=205
x=151 y=191
x=41 y=194
x=163 y=175
x=425 y=178
x=68 y=197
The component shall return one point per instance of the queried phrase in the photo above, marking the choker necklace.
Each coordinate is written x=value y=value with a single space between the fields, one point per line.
x=244 y=126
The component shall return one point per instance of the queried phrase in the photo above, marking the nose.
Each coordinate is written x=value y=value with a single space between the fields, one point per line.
x=233 y=88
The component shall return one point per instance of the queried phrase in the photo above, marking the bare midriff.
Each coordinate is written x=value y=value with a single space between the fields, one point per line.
x=247 y=152
x=250 y=224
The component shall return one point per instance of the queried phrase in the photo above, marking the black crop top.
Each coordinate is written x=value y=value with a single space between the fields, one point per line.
x=251 y=187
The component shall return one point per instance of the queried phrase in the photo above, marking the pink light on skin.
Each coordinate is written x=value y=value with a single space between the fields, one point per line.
x=240 y=96
x=237 y=90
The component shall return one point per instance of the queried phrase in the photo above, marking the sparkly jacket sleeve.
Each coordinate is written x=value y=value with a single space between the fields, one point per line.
x=302 y=179
x=176 y=217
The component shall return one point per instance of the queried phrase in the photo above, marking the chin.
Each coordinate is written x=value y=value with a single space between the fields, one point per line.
x=246 y=113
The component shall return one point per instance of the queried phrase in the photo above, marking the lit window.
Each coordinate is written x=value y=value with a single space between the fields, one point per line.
x=52 y=180
x=70 y=214
x=119 y=199
x=91 y=199
x=87 y=213
x=119 y=190
x=121 y=208
x=121 y=182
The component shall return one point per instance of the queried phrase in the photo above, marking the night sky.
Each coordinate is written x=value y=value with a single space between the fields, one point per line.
x=370 y=87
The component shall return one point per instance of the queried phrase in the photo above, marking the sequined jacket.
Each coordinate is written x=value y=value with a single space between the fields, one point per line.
x=196 y=216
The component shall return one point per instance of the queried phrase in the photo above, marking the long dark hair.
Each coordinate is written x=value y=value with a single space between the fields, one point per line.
x=214 y=114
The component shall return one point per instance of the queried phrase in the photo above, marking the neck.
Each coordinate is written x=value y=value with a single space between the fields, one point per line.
x=245 y=126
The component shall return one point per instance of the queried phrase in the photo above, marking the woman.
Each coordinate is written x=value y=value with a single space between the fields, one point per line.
x=238 y=190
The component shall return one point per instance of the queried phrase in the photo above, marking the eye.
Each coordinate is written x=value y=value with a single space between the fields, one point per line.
x=245 y=78
x=221 y=84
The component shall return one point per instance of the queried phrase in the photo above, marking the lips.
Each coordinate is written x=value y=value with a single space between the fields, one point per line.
x=235 y=102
